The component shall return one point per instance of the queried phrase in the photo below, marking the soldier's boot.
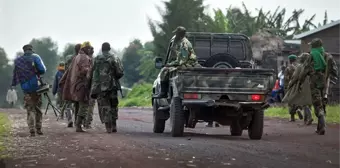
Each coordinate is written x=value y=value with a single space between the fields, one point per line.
x=114 y=126
x=108 y=127
x=321 y=130
x=32 y=133
x=309 y=118
x=39 y=132
x=292 y=118
x=79 y=121
x=70 y=124
x=299 y=114
x=164 y=90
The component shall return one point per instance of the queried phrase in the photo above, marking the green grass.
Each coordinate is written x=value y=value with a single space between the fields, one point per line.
x=333 y=113
x=139 y=96
x=4 y=132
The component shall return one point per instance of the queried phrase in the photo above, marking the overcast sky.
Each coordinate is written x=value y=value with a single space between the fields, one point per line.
x=115 y=21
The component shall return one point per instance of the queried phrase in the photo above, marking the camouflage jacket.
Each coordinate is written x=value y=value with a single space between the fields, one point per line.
x=289 y=73
x=107 y=70
x=184 y=53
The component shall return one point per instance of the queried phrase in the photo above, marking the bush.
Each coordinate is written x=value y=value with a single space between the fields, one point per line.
x=140 y=96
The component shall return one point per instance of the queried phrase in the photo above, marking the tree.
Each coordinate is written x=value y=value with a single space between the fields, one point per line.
x=146 y=68
x=188 y=13
x=131 y=60
x=68 y=50
x=6 y=76
x=48 y=51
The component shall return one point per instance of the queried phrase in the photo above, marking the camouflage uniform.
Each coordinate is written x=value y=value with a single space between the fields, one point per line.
x=288 y=73
x=107 y=70
x=34 y=115
x=182 y=55
x=89 y=117
x=317 y=66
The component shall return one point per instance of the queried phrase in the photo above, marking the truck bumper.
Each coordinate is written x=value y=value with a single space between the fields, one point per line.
x=212 y=103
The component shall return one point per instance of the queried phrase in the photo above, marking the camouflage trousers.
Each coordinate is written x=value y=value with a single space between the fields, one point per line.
x=60 y=101
x=108 y=108
x=164 y=74
x=80 y=109
x=68 y=108
x=34 y=115
x=89 y=117
x=317 y=82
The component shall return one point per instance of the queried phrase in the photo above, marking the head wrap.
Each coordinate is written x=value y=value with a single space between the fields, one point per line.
x=86 y=44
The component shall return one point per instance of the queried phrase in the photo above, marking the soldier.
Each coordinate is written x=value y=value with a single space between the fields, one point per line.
x=89 y=116
x=317 y=66
x=27 y=70
x=68 y=104
x=287 y=77
x=107 y=71
x=76 y=83
x=185 y=57
x=56 y=90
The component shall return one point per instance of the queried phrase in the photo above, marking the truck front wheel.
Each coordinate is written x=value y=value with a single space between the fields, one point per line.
x=158 y=124
x=255 y=128
x=177 y=117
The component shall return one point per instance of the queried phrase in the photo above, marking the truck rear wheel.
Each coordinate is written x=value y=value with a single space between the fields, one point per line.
x=235 y=129
x=255 y=128
x=177 y=117
x=158 y=124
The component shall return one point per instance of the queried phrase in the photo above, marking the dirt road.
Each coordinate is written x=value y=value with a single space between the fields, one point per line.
x=283 y=145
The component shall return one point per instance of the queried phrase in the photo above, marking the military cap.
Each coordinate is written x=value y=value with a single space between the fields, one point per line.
x=179 y=29
x=292 y=57
x=315 y=43
x=27 y=47
x=86 y=44
x=61 y=63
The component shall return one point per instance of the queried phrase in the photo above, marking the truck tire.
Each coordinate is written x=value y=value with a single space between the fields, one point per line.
x=177 y=117
x=222 y=60
x=158 y=124
x=255 y=128
x=235 y=129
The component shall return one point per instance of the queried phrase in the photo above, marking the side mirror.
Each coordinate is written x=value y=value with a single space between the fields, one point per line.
x=159 y=63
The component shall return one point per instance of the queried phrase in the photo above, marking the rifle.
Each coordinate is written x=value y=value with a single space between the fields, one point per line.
x=119 y=87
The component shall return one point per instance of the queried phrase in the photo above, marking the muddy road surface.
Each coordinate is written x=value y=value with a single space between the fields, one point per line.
x=284 y=145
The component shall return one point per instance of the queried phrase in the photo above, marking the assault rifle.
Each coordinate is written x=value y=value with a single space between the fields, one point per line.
x=119 y=87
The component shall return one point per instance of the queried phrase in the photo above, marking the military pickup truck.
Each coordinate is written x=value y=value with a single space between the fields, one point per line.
x=228 y=89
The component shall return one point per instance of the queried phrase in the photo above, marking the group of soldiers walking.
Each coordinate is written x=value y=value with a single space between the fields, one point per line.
x=78 y=83
x=87 y=79
x=307 y=82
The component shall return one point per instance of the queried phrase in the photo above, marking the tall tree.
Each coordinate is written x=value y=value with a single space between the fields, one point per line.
x=48 y=51
x=147 y=69
x=131 y=62
x=68 y=50
x=188 y=13
x=6 y=76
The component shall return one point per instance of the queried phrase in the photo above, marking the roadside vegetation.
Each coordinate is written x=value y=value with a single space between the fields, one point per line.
x=333 y=113
x=139 y=96
x=4 y=132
